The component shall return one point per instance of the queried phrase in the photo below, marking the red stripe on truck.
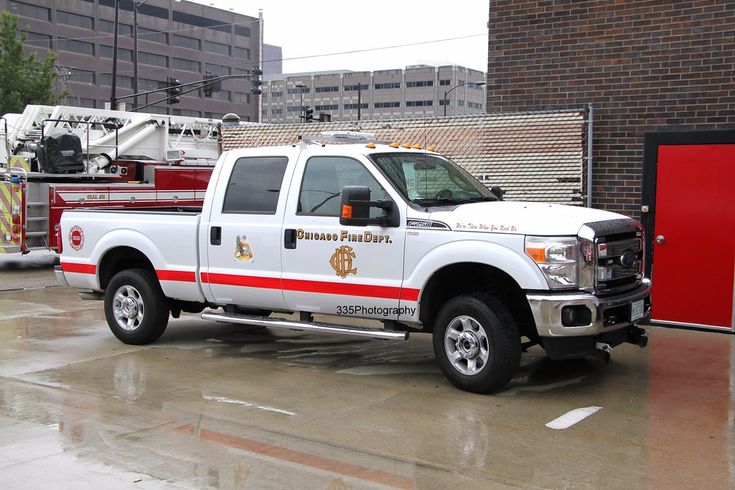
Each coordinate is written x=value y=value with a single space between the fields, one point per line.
x=324 y=287
x=181 y=276
x=78 y=268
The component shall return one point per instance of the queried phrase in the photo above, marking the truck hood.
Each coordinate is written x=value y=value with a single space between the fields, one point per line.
x=521 y=218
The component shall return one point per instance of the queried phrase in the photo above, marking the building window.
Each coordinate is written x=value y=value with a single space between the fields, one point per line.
x=444 y=82
x=80 y=102
x=420 y=83
x=278 y=93
x=221 y=95
x=152 y=59
x=79 y=76
x=199 y=21
x=276 y=112
x=254 y=186
x=75 y=46
x=122 y=53
x=152 y=35
x=187 y=113
x=218 y=48
x=122 y=81
x=26 y=10
x=186 y=42
x=241 y=98
x=187 y=65
x=38 y=40
x=448 y=102
x=326 y=89
x=296 y=108
x=354 y=106
x=122 y=29
x=242 y=31
x=145 y=84
x=419 y=103
x=214 y=115
x=242 y=53
x=355 y=88
x=302 y=90
x=217 y=69
x=75 y=20
x=386 y=105
x=460 y=103
x=386 y=85
x=327 y=107
x=474 y=105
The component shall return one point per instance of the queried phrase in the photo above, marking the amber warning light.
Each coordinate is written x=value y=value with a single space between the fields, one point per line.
x=346 y=211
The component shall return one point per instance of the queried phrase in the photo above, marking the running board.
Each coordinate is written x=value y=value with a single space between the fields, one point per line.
x=308 y=326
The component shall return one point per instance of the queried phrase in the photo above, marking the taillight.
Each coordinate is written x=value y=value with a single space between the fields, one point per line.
x=59 y=241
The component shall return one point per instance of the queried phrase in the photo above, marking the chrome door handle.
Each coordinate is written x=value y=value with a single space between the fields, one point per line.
x=660 y=239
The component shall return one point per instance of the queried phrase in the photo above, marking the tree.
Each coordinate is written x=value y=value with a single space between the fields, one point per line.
x=23 y=78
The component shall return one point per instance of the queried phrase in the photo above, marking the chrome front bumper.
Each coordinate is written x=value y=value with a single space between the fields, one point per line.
x=547 y=311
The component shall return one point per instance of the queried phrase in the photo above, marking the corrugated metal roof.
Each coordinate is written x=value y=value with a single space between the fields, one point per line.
x=536 y=156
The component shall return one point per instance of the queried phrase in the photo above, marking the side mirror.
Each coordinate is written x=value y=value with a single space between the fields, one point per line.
x=498 y=191
x=355 y=209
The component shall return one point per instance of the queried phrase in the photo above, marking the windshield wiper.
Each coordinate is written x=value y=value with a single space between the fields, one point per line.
x=482 y=199
x=441 y=200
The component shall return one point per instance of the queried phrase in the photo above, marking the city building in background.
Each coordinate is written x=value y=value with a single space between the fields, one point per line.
x=419 y=90
x=176 y=39
x=272 y=60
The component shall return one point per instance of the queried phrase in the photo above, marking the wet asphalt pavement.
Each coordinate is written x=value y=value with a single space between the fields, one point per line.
x=221 y=406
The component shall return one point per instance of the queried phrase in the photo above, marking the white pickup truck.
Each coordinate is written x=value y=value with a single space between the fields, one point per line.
x=377 y=231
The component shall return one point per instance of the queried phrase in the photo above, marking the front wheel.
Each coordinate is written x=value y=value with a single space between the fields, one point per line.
x=476 y=343
x=135 y=307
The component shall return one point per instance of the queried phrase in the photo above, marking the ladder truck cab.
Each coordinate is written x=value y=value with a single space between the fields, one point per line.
x=54 y=158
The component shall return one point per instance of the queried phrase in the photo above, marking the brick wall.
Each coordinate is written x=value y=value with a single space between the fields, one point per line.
x=644 y=65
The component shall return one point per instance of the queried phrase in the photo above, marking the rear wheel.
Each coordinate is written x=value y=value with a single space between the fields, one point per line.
x=135 y=307
x=476 y=343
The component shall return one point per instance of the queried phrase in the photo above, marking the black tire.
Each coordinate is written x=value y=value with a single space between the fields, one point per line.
x=483 y=331
x=135 y=307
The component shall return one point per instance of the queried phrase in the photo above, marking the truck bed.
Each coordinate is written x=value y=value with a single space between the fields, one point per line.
x=166 y=236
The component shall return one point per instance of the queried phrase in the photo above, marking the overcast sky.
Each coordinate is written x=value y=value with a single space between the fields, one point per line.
x=322 y=27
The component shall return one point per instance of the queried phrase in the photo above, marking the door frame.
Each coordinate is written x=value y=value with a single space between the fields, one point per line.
x=670 y=136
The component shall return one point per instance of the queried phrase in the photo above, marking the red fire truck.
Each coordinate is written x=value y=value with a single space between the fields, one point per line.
x=54 y=158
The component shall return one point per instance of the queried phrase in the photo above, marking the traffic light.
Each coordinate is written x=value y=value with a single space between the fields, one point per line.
x=210 y=86
x=309 y=114
x=173 y=90
x=255 y=80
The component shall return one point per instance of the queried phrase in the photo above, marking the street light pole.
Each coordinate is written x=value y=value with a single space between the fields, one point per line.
x=113 y=88
x=135 y=51
x=359 y=99
x=301 y=88
x=447 y=92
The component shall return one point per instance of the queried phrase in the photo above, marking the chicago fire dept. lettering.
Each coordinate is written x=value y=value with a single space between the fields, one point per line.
x=343 y=236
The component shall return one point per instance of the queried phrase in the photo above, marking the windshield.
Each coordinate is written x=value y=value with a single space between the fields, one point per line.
x=431 y=180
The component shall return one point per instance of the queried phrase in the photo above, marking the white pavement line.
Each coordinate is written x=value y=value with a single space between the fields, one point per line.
x=572 y=417
x=243 y=403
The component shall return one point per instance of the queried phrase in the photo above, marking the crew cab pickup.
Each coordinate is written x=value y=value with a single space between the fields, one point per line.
x=375 y=231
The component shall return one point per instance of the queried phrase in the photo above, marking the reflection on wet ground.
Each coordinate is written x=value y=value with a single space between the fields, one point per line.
x=224 y=406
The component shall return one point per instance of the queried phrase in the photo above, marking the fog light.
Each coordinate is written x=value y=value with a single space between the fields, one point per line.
x=576 y=316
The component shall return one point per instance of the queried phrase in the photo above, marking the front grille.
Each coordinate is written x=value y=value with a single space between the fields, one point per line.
x=619 y=260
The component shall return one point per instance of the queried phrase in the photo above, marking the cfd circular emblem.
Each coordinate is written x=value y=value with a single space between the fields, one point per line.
x=76 y=238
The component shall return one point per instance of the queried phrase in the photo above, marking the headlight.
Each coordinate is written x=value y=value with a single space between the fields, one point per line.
x=557 y=259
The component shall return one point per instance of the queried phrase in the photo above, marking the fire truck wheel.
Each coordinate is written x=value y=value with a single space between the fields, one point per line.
x=476 y=343
x=135 y=307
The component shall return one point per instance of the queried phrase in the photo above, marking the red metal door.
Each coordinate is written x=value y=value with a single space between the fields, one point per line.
x=694 y=239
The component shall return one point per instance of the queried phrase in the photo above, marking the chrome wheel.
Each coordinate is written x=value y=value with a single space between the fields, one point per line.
x=128 y=308
x=466 y=345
